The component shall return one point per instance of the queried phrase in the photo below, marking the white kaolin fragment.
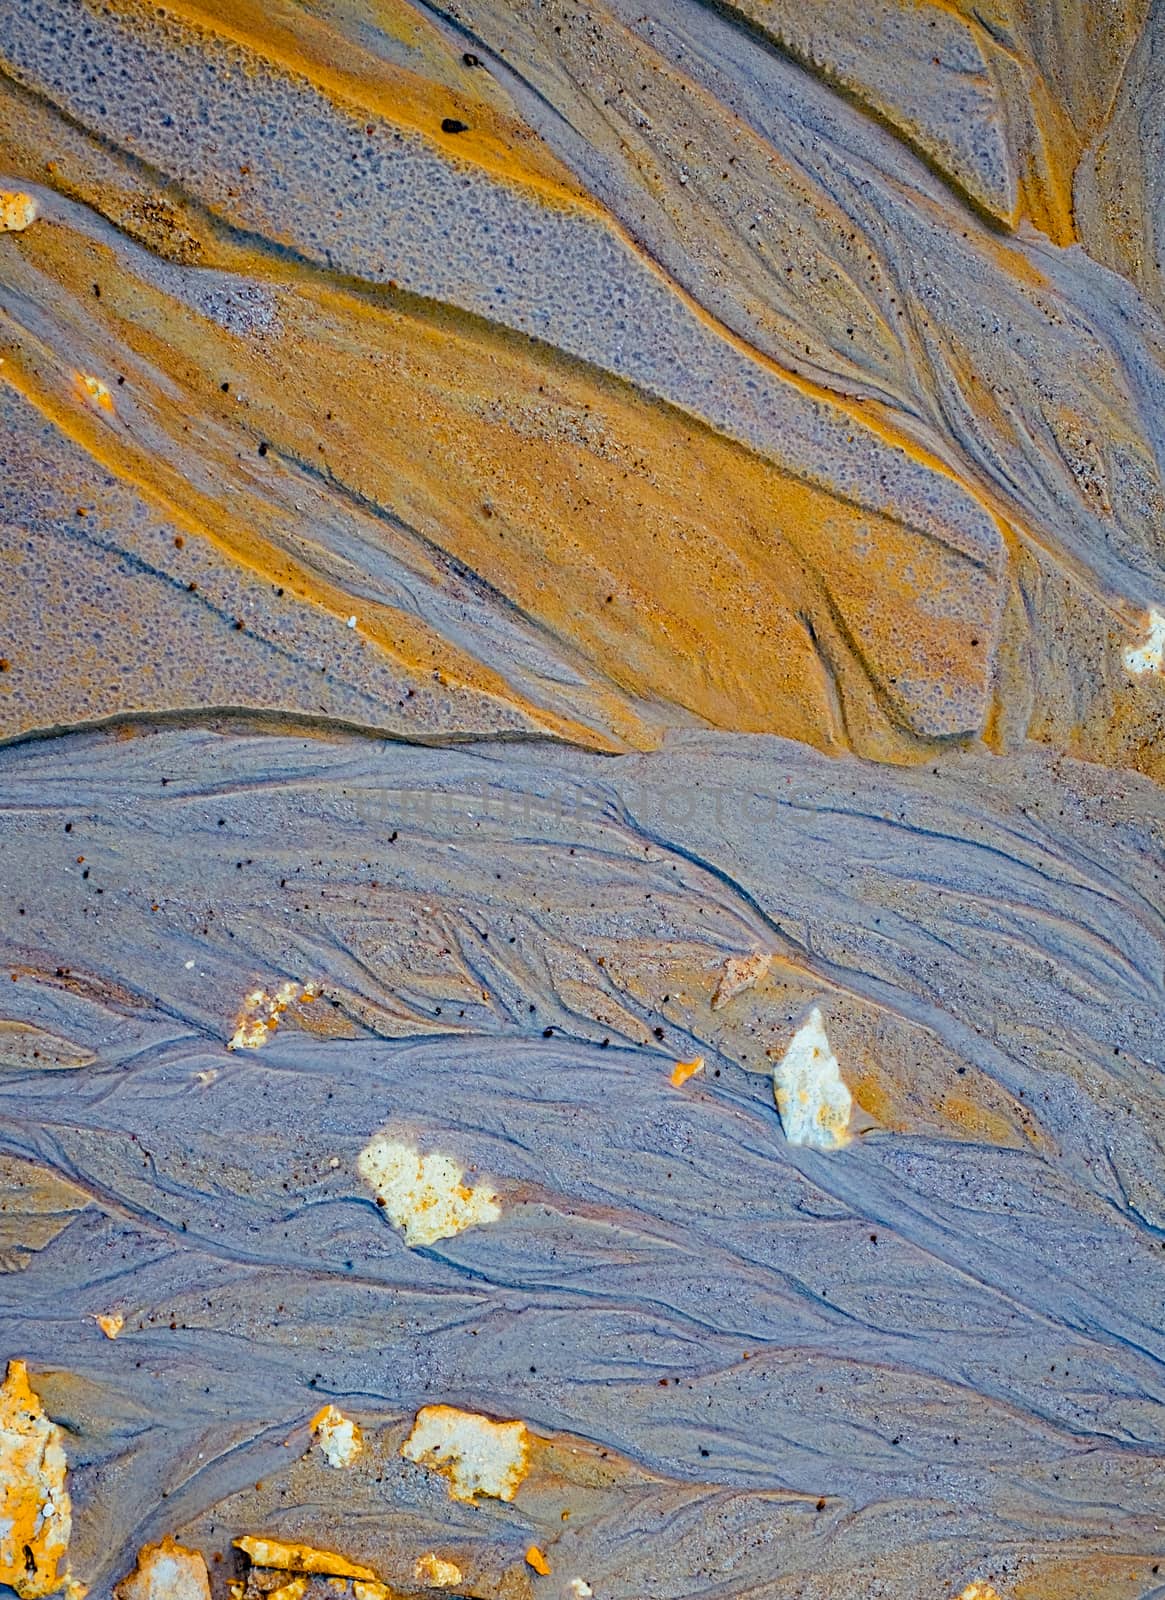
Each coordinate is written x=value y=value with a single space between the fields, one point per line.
x=476 y=1454
x=424 y=1195
x=338 y=1436
x=1150 y=656
x=814 y=1103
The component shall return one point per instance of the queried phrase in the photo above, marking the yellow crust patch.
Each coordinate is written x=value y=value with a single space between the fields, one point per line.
x=424 y=1195
x=111 y=1323
x=477 y=1455
x=35 y=1513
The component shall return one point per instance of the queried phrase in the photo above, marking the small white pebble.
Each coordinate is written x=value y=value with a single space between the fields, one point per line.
x=189 y=965
x=334 y=1163
x=351 y=622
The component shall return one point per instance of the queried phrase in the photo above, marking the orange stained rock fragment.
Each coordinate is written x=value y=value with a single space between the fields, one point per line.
x=166 y=1571
x=435 y=1573
x=17 y=210
x=683 y=1070
x=535 y=1559
x=740 y=973
x=94 y=391
x=110 y=1322
x=35 y=1513
x=476 y=1454
x=979 y=1591
x=282 y=1557
x=260 y=1013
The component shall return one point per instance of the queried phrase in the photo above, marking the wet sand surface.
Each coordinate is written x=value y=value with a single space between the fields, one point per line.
x=748 y=1365
x=582 y=716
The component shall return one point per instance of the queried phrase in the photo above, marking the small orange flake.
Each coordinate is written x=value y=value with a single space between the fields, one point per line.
x=110 y=1322
x=683 y=1070
x=535 y=1559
